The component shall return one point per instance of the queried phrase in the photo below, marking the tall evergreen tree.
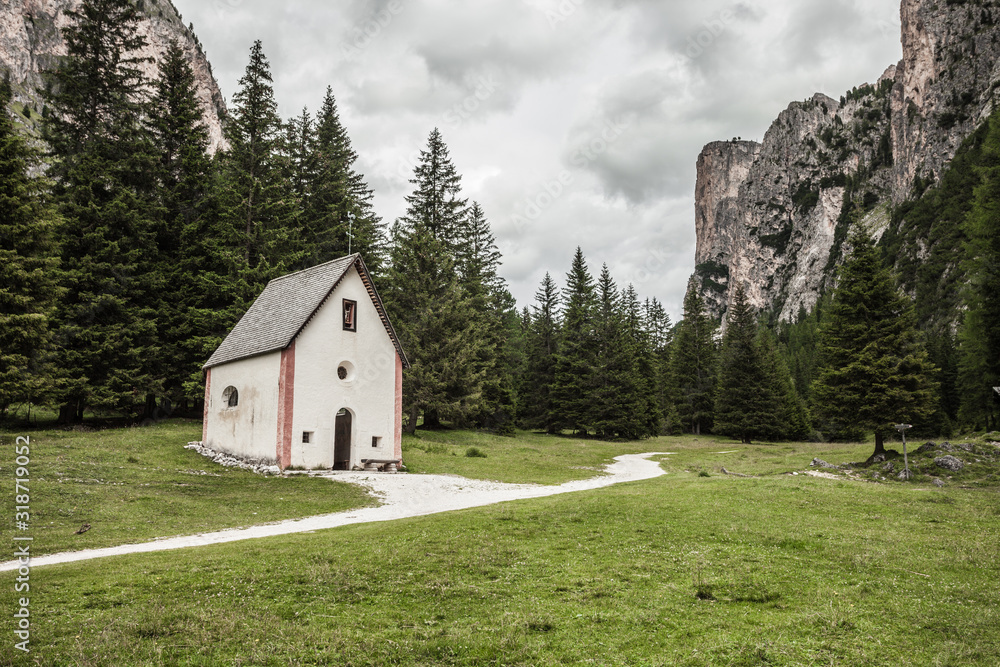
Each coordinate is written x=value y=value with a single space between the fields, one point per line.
x=436 y=201
x=873 y=370
x=103 y=165
x=660 y=332
x=613 y=385
x=184 y=173
x=980 y=334
x=644 y=414
x=259 y=218
x=692 y=366
x=746 y=401
x=28 y=270
x=793 y=418
x=433 y=317
x=339 y=202
x=540 y=358
x=576 y=356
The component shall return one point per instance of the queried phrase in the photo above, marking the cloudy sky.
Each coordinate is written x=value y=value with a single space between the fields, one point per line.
x=573 y=122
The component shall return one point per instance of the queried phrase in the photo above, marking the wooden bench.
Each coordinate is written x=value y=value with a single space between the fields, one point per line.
x=385 y=465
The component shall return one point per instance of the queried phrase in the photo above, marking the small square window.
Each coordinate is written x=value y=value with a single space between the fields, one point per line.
x=376 y=441
x=306 y=437
x=350 y=315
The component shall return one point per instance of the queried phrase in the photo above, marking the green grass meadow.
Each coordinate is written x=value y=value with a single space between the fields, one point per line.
x=691 y=568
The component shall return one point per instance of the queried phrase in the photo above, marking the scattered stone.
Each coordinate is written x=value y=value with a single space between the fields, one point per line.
x=820 y=463
x=926 y=447
x=877 y=458
x=965 y=446
x=734 y=474
x=949 y=462
x=259 y=466
x=904 y=475
x=938 y=483
x=946 y=446
x=889 y=467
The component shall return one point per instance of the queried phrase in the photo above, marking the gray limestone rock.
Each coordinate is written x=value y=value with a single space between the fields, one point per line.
x=949 y=462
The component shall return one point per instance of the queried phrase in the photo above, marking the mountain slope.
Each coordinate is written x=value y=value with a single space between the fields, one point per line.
x=30 y=42
x=775 y=215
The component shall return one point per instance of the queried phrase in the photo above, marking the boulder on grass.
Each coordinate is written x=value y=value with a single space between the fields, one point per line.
x=820 y=463
x=949 y=462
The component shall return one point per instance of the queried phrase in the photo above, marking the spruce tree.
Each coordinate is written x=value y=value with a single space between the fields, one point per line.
x=643 y=413
x=660 y=333
x=541 y=338
x=28 y=270
x=793 y=419
x=339 y=202
x=184 y=172
x=104 y=166
x=873 y=370
x=610 y=396
x=259 y=219
x=576 y=356
x=434 y=319
x=436 y=202
x=692 y=366
x=979 y=340
x=746 y=401
x=493 y=309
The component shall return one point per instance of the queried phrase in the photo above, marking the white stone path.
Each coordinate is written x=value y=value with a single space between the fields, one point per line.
x=402 y=496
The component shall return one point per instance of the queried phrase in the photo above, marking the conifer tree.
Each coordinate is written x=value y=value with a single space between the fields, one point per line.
x=103 y=165
x=433 y=318
x=692 y=366
x=746 y=402
x=576 y=357
x=541 y=338
x=873 y=370
x=259 y=219
x=660 y=333
x=339 y=202
x=184 y=172
x=643 y=412
x=979 y=340
x=28 y=271
x=436 y=201
x=493 y=310
x=793 y=419
x=610 y=395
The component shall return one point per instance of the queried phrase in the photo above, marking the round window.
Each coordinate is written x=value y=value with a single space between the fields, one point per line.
x=345 y=371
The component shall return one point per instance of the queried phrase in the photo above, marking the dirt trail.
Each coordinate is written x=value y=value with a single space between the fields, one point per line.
x=402 y=495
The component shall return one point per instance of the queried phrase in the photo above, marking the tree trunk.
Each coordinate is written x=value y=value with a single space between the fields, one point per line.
x=411 y=423
x=879 y=445
x=431 y=419
x=67 y=413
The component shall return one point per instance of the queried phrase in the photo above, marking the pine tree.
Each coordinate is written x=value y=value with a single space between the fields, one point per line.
x=493 y=310
x=183 y=178
x=873 y=370
x=28 y=271
x=979 y=341
x=259 y=219
x=540 y=352
x=434 y=320
x=610 y=396
x=793 y=420
x=103 y=166
x=692 y=366
x=643 y=414
x=746 y=400
x=660 y=333
x=436 y=201
x=576 y=357
x=339 y=202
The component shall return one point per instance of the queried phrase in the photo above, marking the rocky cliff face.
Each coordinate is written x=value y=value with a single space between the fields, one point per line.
x=31 y=41
x=775 y=215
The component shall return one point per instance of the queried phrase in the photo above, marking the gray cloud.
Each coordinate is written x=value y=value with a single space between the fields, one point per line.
x=531 y=95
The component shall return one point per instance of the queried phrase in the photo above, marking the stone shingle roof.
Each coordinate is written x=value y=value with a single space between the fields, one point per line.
x=286 y=305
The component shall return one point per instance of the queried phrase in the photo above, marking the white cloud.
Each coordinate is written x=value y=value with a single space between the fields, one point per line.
x=530 y=96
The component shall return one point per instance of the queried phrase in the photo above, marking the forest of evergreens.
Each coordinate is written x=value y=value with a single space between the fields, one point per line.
x=128 y=251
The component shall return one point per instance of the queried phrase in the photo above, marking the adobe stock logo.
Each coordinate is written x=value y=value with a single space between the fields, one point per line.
x=713 y=28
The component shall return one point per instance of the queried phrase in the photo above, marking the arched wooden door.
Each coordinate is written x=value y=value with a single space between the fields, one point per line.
x=342 y=441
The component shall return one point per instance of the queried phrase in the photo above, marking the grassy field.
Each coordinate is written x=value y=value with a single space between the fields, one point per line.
x=136 y=484
x=692 y=568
